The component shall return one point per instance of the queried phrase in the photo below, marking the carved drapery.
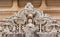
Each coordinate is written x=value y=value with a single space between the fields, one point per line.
x=28 y=21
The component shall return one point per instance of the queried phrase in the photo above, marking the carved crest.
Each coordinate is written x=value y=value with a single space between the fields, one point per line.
x=38 y=18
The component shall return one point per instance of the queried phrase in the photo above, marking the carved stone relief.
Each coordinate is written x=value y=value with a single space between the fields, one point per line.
x=30 y=21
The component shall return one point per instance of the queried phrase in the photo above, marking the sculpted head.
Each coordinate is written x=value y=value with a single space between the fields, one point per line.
x=30 y=21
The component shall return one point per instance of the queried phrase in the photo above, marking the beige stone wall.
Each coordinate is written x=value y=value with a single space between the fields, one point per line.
x=9 y=7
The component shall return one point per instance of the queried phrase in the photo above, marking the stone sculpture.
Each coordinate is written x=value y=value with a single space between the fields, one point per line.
x=30 y=19
x=29 y=29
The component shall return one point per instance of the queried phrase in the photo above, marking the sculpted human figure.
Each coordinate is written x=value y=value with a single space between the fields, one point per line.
x=29 y=29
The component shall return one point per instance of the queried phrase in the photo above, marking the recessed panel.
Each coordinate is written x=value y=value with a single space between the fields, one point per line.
x=53 y=3
x=7 y=14
x=36 y=3
x=6 y=3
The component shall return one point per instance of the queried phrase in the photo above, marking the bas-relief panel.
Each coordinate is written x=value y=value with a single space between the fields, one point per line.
x=29 y=22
